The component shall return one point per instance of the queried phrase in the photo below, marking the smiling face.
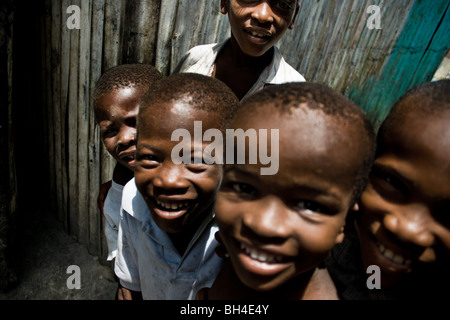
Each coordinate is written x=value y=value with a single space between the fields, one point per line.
x=116 y=113
x=258 y=25
x=176 y=194
x=278 y=227
x=405 y=210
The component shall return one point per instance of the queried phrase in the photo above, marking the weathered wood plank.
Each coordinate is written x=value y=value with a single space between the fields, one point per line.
x=95 y=223
x=83 y=121
x=140 y=31
x=72 y=128
x=58 y=94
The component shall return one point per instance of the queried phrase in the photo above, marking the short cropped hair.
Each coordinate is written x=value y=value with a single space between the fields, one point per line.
x=289 y=96
x=199 y=91
x=429 y=98
x=126 y=76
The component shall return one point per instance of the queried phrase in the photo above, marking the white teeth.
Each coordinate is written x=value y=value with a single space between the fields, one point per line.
x=260 y=256
x=255 y=34
x=388 y=253
x=172 y=206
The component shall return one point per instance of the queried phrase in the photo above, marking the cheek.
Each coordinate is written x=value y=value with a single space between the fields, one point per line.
x=110 y=145
x=227 y=214
x=143 y=178
x=372 y=204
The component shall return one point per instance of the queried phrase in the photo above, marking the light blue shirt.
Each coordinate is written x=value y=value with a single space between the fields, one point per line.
x=147 y=260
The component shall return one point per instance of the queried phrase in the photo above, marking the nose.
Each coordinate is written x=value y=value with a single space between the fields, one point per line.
x=127 y=136
x=411 y=225
x=267 y=219
x=170 y=179
x=263 y=13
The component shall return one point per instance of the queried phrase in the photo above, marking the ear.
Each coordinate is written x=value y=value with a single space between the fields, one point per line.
x=224 y=6
x=292 y=24
x=340 y=236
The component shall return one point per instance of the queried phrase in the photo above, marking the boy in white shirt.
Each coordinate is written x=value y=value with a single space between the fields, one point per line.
x=249 y=60
x=117 y=95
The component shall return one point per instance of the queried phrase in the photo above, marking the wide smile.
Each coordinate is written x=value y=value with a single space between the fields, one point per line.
x=258 y=36
x=394 y=257
x=389 y=257
x=172 y=209
x=260 y=261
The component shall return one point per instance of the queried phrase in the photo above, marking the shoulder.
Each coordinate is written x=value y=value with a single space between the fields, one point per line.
x=132 y=201
x=284 y=71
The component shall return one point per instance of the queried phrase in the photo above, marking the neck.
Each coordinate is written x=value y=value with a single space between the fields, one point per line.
x=182 y=239
x=242 y=60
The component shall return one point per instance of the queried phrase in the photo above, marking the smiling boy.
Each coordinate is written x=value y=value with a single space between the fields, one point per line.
x=403 y=225
x=166 y=235
x=249 y=60
x=278 y=229
x=117 y=95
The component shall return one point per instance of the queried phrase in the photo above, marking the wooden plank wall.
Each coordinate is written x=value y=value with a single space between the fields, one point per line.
x=330 y=44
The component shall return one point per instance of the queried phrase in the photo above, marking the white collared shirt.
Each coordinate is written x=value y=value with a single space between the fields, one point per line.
x=201 y=59
x=147 y=260
x=111 y=210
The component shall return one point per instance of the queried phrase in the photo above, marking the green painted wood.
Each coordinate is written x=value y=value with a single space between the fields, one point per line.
x=422 y=45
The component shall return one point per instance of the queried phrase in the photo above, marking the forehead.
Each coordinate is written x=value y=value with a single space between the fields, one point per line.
x=123 y=98
x=420 y=136
x=312 y=144
x=164 y=118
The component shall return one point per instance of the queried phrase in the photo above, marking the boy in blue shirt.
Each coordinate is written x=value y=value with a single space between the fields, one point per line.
x=166 y=235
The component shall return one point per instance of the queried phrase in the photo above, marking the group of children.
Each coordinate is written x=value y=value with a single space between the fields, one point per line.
x=343 y=198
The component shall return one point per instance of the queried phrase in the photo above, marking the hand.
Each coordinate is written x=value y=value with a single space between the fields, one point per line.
x=104 y=188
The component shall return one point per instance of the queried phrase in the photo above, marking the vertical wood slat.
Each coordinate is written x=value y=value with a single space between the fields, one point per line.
x=72 y=127
x=165 y=34
x=83 y=121
x=58 y=94
x=140 y=31
x=95 y=220
x=48 y=100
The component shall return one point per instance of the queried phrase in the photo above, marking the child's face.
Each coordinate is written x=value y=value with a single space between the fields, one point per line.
x=258 y=25
x=277 y=227
x=176 y=194
x=405 y=210
x=116 y=114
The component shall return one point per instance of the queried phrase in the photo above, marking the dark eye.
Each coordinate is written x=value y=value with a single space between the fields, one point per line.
x=243 y=188
x=109 y=133
x=310 y=207
x=390 y=181
x=146 y=158
x=284 y=5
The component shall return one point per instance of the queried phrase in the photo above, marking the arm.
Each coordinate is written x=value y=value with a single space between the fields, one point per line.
x=126 y=294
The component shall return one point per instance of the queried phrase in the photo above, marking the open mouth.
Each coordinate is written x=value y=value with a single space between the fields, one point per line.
x=258 y=35
x=261 y=262
x=128 y=157
x=172 y=209
x=261 y=256
x=392 y=256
